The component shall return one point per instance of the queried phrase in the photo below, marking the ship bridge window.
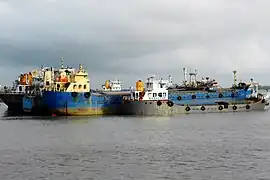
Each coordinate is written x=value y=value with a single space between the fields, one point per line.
x=74 y=86
x=20 y=88
x=154 y=95
x=150 y=95
x=159 y=94
x=164 y=94
x=84 y=86
x=80 y=86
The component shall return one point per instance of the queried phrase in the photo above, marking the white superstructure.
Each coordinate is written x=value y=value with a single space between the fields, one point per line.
x=156 y=89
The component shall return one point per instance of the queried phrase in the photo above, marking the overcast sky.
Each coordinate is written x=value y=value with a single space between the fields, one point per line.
x=133 y=39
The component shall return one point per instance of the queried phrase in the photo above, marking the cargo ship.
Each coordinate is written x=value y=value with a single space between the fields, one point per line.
x=67 y=93
x=155 y=100
x=29 y=84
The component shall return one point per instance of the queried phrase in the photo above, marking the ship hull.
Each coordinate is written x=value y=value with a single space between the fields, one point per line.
x=188 y=97
x=16 y=105
x=150 y=108
x=64 y=104
x=13 y=101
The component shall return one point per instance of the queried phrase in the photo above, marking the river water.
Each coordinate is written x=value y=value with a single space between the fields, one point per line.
x=231 y=146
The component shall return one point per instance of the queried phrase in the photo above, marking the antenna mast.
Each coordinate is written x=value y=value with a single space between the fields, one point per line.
x=62 y=62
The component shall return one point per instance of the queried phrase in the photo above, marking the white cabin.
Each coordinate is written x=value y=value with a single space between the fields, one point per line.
x=156 y=89
x=254 y=87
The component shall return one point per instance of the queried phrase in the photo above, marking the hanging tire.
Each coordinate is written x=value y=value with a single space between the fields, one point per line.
x=74 y=94
x=193 y=96
x=179 y=98
x=87 y=95
x=220 y=108
x=232 y=95
x=187 y=109
x=170 y=103
x=234 y=107
x=207 y=96
x=220 y=95
x=159 y=103
x=203 y=108
x=247 y=106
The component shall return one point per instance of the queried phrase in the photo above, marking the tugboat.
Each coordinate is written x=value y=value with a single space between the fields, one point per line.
x=67 y=92
x=155 y=100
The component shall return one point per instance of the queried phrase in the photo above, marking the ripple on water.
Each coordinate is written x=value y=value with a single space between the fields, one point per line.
x=187 y=147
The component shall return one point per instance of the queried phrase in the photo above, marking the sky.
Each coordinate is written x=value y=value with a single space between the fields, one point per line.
x=130 y=40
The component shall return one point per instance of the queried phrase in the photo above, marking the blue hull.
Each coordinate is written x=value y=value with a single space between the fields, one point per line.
x=63 y=103
x=200 y=97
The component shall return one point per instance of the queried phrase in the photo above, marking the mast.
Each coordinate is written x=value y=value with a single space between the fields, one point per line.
x=234 y=78
x=62 y=62
x=185 y=75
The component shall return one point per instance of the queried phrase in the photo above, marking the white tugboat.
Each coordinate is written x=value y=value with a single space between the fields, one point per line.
x=154 y=100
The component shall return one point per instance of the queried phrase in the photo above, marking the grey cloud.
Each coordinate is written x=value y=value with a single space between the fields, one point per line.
x=131 y=39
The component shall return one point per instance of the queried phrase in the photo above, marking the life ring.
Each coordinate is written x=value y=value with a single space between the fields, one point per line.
x=203 y=108
x=159 y=103
x=87 y=94
x=74 y=94
x=247 y=106
x=220 y=95
x=170 y=103
x=179 y=98
x=220 y=108
x=232 y=95
x=193 y=96
x=207 y=96
x=187 y=108
x=234 y=107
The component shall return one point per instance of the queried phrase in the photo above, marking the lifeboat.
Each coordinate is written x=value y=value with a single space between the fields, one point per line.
x=63 y=78
x=139 y=86
x=30 y=78
x=107 y=85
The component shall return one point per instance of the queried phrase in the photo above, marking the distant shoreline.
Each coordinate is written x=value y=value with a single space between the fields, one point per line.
x=264 y=87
